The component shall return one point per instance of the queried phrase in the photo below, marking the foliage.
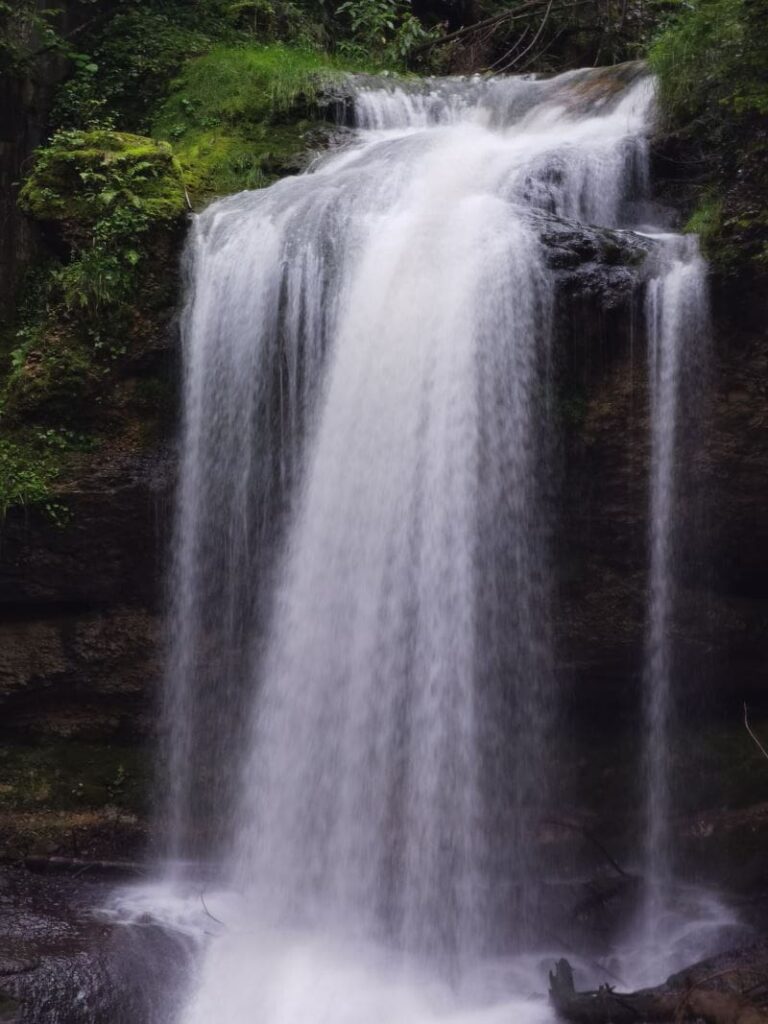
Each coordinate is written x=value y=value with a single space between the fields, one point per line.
x=706 y=220
x=228 y=105
x=387 y=28
x=108 y=190
x=712 y=60
x=25 y=476
x=26 y=29
x=30 y=462
x=129 y=66
x=712 y=63
x=134 y=57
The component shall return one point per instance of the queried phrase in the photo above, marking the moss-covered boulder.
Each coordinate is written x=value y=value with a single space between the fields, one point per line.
x=81 y=176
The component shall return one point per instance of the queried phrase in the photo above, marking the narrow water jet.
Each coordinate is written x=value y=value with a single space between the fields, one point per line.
x=677 y=313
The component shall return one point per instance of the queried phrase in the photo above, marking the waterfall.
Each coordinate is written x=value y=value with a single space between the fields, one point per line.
x=361 y=694
x=677 y=313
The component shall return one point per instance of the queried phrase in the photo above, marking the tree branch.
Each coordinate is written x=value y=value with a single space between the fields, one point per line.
x=759 y=745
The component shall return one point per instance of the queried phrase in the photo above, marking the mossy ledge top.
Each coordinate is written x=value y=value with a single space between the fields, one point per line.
x=82 y=173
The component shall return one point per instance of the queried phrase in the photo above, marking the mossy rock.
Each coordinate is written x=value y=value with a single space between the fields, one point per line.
x=52 y=383
x=72 y=775
x=80 y=176
x=218 y=162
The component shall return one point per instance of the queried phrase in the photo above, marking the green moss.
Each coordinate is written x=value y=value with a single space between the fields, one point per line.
x=238 y=117
x=706 y=219
x=50 y=381
x=110 y=192
x=72 y=775
x=81 y=175
x=234 y=84
x=218 y=162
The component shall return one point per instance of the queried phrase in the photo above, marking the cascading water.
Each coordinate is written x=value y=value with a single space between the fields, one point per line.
x=361 y=691
x=677 y=313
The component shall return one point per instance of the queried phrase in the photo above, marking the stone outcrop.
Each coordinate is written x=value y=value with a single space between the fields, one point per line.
x=80 y=641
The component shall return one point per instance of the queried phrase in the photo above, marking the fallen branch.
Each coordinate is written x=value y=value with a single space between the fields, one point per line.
x=661 y=1005
x=596 y=965
x=559 y=823
x=77 y=865
x=205 y=908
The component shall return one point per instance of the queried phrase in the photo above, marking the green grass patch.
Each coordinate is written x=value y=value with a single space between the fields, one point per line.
x=239 y=116
x=235 y=84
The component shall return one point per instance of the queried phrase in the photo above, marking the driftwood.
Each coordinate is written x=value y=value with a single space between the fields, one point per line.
x=681 y=998
x=78 y=866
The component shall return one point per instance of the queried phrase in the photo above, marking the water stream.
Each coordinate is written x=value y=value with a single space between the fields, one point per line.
x=677 y=313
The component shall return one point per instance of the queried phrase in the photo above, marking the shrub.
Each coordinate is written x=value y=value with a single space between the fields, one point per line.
x=108 y=191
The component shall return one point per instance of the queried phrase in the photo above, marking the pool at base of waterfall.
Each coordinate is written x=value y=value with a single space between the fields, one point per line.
x=85 y=952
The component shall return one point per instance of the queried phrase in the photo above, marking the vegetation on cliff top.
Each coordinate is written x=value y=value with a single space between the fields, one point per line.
x=712 y=63
x=239 y=116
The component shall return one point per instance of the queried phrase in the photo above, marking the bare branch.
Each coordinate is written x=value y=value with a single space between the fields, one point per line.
x=498 y=19
x=205 y=908
x=573 y=827
x=759 y=745
x=533 y=42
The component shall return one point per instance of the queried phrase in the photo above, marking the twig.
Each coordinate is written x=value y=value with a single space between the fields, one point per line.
x=759 y=745
x=533 y=42
x=493 y=22
x=590 y=839
x=205 y=908
x=519 y=42
x=540 y=53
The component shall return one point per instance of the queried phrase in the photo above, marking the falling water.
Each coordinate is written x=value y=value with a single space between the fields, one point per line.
x=677 y=312
x=360 y=692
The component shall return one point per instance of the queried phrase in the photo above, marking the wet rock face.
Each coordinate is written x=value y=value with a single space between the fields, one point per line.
x=110 y=547
x=591 y=262
x=63 y=961
x=80 y=599
x=80 y=662
x=721 y=629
